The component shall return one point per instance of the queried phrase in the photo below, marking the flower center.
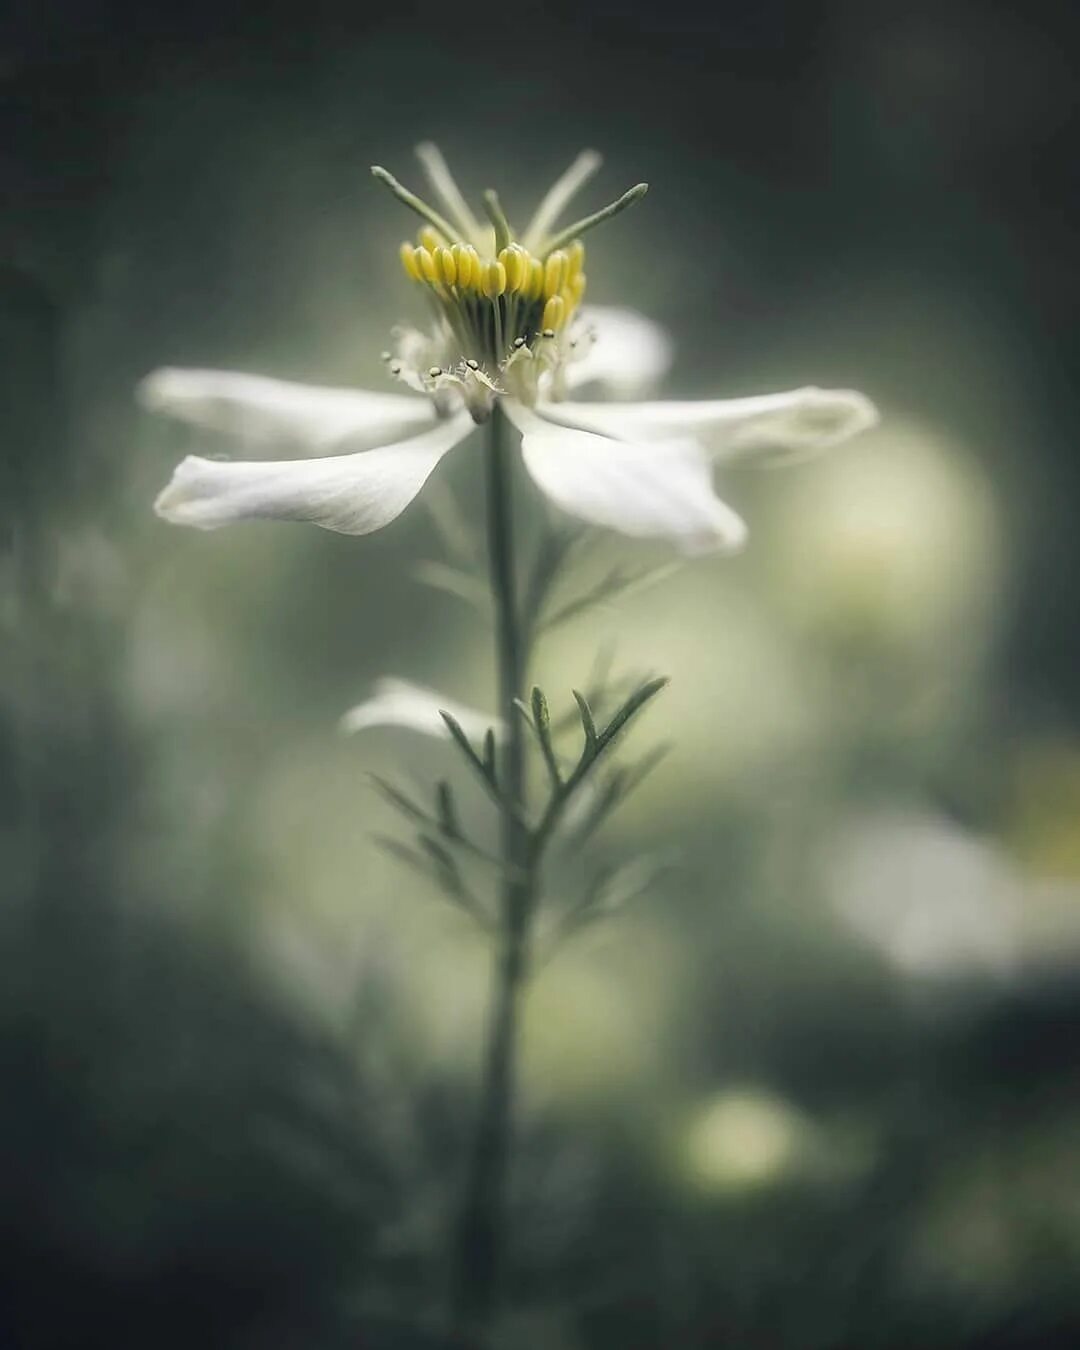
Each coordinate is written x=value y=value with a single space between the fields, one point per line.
x=501 y=301
x=496 y=305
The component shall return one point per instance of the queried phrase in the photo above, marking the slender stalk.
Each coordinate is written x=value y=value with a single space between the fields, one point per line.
x=480 y=1238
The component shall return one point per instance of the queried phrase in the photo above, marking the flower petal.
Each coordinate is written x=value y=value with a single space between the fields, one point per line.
x=620 y=348
x=260 y=411
x=400 y=703
x=787 y=426
x=645 y=489
x=353 y=494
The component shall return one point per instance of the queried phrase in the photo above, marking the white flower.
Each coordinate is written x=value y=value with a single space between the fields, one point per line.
x=509 y=329
x=400 y=703
x=933 y=899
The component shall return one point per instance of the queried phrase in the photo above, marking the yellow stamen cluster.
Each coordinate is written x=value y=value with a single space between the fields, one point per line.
x=495 y=304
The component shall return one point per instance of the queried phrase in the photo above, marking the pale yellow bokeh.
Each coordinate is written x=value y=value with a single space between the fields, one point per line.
x=898 y=536
x=596 y=1020
x=742 y=1138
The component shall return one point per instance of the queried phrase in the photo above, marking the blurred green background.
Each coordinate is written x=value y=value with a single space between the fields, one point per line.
x=818 y=1088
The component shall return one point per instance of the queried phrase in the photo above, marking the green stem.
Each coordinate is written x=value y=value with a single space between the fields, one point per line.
x=481 y=1235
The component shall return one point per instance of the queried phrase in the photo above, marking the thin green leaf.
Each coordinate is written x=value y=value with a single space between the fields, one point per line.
x=588 y=723
x=489 y=764
x=483 y=764
x=446 y=810
x=599 y=697
x=540 y=712
x=633 y=705
x=452 y=581
x=435 y=863
x=555 y=547
x=616 y=584
x=462 y=741
x=543 y=740
x=449 y=876
x=542 y=724
x=398 y=799
x=637 y=773
x=599 y=677
x=610 y=890
x=619 y=786
x=600 y=688
x=595 y=745
x=446 y=821
x=404 y=853
x=604 y=589
x=603 y=804
x=442 y=857
x=630 y=880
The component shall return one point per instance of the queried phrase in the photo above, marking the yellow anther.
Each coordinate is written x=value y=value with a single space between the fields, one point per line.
x=576 y=255
x=494 y=279
x=409 y=262
x=554 y=312
x=426 y=259
x=463 y=263
x=430 y=238
x=555 y=273
x=513 y=259
x=447 y=266
x=535 y=288
x=575 y=289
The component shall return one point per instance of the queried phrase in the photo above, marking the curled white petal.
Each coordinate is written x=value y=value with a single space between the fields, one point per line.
x=786 y=426
x=620 y=349
x=646 y=489
x=353 y=494
x=400 y=703
x=263 y=412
